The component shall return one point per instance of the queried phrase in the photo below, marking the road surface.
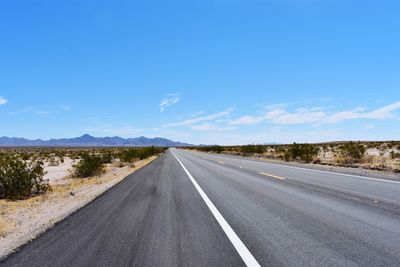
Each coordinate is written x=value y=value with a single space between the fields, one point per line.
x=197 y=209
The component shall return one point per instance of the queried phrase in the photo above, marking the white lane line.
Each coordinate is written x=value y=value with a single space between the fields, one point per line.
x=312 y=170
x=336 y=173
x=244 y=253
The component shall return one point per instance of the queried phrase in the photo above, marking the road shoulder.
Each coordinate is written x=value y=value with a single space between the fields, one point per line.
x=24 y=220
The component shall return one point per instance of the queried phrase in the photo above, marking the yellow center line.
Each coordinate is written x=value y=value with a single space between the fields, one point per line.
x=273 y=176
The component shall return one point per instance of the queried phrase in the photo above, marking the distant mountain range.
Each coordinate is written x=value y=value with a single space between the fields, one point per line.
x=88 y=140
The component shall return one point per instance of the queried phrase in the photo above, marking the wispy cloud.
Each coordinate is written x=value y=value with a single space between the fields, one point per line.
x=169 y=100
x=17 y=112
x=317 y=116
x=60 y=109
x=196 y=120
x=46 y=112
x=65 y=108
x=3 y=101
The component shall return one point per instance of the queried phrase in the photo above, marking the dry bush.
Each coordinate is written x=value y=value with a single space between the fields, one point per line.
x=351 y=153
x=303 y=152
x=369 y=159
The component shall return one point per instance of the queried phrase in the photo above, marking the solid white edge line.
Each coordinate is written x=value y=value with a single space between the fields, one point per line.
x=320 y=171
x=244 y=253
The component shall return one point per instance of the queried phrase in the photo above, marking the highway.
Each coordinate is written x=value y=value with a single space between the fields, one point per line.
x=196 y=209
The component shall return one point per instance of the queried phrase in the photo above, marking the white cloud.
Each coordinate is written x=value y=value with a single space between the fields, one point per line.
x=168 y=101
x=3 y=101
x=247 y=120
x=195 y=120
x=317 y=116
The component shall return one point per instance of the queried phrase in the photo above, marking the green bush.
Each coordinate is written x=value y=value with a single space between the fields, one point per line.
x=19 y=179
x=90 y=165
x=107 y=157
x=303 y=152
x=352 y=152
x=128 y=155
x=145 y=152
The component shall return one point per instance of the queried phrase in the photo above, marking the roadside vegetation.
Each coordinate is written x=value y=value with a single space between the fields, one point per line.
x=369 y=155
x=41 y=186
x=302 y=152
x=89 y=165
x=22 y=170
x=352 y=153
x=20 y=179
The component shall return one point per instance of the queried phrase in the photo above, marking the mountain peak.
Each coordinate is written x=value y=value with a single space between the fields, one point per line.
x=86 y=137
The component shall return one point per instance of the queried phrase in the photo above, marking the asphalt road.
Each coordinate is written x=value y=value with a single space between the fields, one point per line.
x=212 y=210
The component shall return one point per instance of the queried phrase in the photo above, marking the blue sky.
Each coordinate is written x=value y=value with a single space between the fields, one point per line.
x=210 y=72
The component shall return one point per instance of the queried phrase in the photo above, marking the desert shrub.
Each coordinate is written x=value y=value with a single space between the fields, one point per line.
x=287 y=156
x=303 y=152
x=374 y=145
x=252 y=149
x=369 y=159
x=128 y=155
x=107 y=157
x=145 y=152
x=26 y=156
x=352 y=152
x=89 y=165
x=131 y=154
x=280 y=149
x=19 y=179
x=215 y=149
x=394 y=155
x=53 y=162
